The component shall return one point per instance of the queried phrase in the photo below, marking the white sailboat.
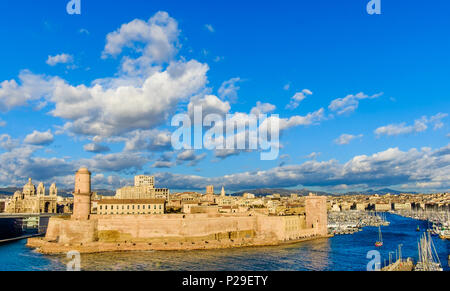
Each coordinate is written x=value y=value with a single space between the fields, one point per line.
x=379 y=243
x=428 y=257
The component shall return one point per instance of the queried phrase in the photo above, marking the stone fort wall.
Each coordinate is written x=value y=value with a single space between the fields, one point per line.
x=68 y=231
x=174 y=227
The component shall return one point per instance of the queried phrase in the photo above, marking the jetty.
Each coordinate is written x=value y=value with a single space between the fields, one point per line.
x=400 y=266
x=9 y=240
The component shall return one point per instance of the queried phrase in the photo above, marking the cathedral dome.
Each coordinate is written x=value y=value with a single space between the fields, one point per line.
x=29 y=188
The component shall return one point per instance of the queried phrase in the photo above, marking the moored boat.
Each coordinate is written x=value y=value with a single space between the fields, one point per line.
x=428 y=257
x=379 y=243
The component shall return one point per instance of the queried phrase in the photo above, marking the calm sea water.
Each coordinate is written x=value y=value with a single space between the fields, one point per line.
x=343 y=253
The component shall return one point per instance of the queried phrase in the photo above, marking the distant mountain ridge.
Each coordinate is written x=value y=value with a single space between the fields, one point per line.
x=381 y=192
x=282 y=192
x=9 y=191
x=305 y=192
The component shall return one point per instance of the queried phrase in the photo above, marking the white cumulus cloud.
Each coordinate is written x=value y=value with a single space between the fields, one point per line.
x=191 y=157
x=389 y=168
x=39 y=138
x=96 y=148
x=7 y=143
x=228 y=89
x=30 y=88
x=156 y=40
x=349 y=103
x=345 y=139
x=59 y=59
x=420 y=125
x=298 y=98
x=262 y=108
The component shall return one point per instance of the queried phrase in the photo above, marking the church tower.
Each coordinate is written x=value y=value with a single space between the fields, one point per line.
x=222 y=193
x=82 y=195
x=41 y=189
x=53 y=191
x=209 y=193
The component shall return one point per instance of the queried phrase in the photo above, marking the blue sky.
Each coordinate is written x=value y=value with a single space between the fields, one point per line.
x=377 y=115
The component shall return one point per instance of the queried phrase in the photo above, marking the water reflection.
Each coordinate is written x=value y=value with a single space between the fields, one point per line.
x=341 y=253
x=312 y=255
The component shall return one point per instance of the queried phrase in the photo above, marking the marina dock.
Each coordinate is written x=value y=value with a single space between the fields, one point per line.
x=350 y=222
x=400 y=266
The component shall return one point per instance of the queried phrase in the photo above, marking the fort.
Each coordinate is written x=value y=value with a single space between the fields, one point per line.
x=106 y=231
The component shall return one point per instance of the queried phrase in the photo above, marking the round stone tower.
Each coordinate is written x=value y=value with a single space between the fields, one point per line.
x=82 y=195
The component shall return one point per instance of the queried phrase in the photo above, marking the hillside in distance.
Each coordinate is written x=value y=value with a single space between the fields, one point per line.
x=9 y=191
x=282 y=192
x=380 y=192
x=305 y=192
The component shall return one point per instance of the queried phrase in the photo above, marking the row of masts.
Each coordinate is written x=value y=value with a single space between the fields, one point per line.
x=438 y=221
x=349 y=222
x=428 y=257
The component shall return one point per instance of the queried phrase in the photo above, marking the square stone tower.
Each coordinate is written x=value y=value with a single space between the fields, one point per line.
x=210 y=190
x=316 y=213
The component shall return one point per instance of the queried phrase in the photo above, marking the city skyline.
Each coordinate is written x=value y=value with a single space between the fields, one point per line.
x=362 y=99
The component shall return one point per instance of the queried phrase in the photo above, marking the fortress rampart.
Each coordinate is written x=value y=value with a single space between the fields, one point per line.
x=88 y=232
x=178 y=228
